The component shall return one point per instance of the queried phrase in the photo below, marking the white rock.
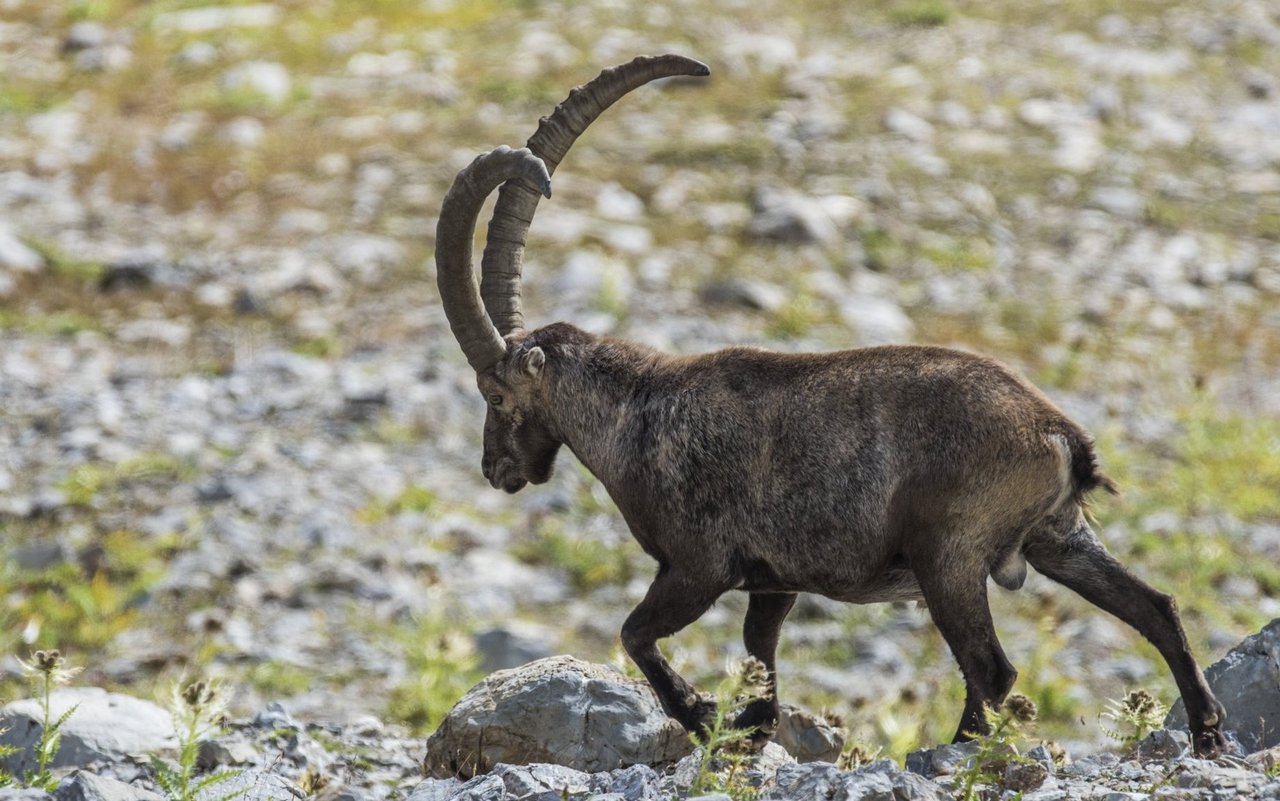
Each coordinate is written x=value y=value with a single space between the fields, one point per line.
x=82 y=786
x=170 y=333
x=367 y=256
x=212 y=18
x=1121 y=201
x=198 y=54
x=267 y=79
x=301 y=221
x=383 y=65
x=784 y=215
x=104 y=726
x=16 y=256
x=558 y=710
x=1079 y=147
x=246 y=132
x=1247 y=682
x=182 y=130
x=877 y=320
x=901 y=121
x=616 y=203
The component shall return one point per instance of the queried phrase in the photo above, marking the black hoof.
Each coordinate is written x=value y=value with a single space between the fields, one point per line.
x=760 y=723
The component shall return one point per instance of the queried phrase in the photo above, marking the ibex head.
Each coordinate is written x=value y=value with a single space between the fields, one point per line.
x=519 y=448
x=487 y=320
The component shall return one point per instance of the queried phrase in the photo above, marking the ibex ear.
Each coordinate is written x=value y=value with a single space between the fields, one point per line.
x=532 y=360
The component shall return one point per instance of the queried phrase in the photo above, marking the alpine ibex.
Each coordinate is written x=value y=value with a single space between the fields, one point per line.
x=875 y=474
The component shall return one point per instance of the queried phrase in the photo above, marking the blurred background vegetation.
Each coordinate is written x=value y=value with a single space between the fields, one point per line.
x=1015 y=178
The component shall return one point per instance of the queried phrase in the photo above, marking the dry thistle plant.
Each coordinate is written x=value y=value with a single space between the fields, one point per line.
x=1140 y=711
x=747 y=681
x=46 y=670
x=197 y=710
x=996 y=751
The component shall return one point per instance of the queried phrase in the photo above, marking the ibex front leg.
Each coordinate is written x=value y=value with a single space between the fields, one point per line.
x=673 y=602
x=765 y=613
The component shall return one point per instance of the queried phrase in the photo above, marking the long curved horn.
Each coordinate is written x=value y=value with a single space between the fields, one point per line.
x=480 y=341
x=504 y=247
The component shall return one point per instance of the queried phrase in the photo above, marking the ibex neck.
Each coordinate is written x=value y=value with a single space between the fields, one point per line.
x=593 y=402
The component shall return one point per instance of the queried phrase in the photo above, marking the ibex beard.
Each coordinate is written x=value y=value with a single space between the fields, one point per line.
x=866 y=475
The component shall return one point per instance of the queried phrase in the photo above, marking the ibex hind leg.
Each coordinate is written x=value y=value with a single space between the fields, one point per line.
x=673 y=601
x=760 y=630
x=957 y=601
x=1076 y=559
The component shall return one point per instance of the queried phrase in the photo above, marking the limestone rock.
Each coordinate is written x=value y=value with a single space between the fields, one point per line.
x=783 y=215
x=558 y=710
x=16 y=256
x=808 y=737
x=24 y=794
x=105 y=726
x=943 y=760
x=252 y=785
x=1247 y=682
x=1164 y=744
x=883 y=779
x=82 y=786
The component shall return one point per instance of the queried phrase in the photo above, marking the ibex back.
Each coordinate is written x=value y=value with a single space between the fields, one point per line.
x=875 y=474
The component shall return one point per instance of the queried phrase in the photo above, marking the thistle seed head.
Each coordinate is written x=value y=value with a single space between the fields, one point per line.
x=1022 y=708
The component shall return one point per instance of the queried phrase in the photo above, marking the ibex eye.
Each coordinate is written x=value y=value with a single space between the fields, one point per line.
x=495 y=400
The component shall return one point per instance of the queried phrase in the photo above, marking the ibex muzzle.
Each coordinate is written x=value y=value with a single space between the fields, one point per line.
x=866 y=475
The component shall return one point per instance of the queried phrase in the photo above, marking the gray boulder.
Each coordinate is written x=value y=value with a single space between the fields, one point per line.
x=527 y=780
x=435 y=790
x=252 y=785
x=24 y=794
x=105 y=726
x=1247 y=682
x=801 y=782
x=885 y=780
x=635 y=783
x=783 y=215
x=81 y=786
x=16 y=256
x=512 y=645
x=943 y=760
x=485 y=787
x=1164 y=744
x=808 y=737
x=882 y=780
x=560 y=711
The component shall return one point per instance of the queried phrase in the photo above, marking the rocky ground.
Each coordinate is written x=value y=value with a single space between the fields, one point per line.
x=560 y=728
x=237 y=440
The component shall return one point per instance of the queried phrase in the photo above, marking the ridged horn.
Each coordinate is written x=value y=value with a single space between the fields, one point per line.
x=504 y=248
x=455 y=277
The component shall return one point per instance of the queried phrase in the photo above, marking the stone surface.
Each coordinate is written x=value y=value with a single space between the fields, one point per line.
x=253 y=785
x=1247 y=682
x=943 y=760
x=1025 y=776
x=558 y=710
x=104 y=726
x=512 y=645
x=784 y=215
x=82 y=786
x=808 y=737
x=24 y=794
x=1164 y=744
x=745 y=292
x=16 y=256
x=266 y=79
x=883 y=780
x=877 y=320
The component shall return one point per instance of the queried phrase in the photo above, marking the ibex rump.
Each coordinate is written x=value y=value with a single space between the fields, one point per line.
x=865 y=475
